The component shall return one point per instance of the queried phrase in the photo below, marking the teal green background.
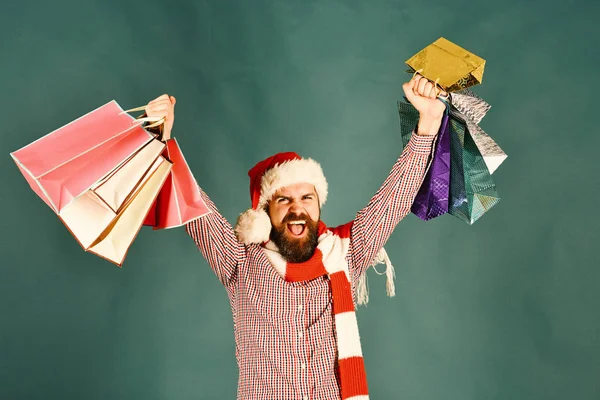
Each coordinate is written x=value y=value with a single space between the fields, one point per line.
x=508 y=308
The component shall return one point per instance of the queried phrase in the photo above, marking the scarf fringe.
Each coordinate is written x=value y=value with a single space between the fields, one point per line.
x=362 y=289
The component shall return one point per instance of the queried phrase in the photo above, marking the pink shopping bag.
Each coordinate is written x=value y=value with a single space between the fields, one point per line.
x=70 y=160
x=179 y=200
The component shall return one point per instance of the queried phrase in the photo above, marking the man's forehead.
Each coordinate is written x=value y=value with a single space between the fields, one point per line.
x=297 y=189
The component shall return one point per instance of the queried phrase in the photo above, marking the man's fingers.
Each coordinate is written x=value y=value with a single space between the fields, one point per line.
x=415 y=83
x=161 y=103
x=422 y=84
x=423 y=87
x=409 y=91
x=416 y=77
x=159 y=99
x=429 y=90
x=158 y=110
x=161 y=106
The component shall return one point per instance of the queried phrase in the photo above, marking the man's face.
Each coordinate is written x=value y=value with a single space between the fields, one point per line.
x=294 y=212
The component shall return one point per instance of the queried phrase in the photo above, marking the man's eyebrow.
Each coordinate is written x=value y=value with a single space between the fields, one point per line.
x=289 y=198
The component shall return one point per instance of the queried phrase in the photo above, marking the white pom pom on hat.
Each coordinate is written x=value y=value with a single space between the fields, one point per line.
x=253 y=226
x=266 y=178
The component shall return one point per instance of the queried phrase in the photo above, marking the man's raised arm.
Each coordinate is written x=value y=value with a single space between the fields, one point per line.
x=213 y=235
x=375 y=223
x=215 y=238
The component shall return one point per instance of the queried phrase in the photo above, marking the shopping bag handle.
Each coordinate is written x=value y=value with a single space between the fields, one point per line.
x=155 y=120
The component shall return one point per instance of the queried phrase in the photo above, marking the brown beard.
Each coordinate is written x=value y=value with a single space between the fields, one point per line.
x=296 y=250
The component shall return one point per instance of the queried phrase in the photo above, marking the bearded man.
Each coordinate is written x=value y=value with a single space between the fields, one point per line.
x=291 y=279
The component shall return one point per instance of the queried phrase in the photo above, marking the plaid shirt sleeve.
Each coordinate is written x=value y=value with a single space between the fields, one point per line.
x=374 y=224
x=215 y=238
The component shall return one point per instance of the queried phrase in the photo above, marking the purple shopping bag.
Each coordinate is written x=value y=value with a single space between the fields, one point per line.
x=432 y=199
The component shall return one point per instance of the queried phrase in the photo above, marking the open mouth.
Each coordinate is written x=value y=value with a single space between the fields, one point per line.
x=297 y=228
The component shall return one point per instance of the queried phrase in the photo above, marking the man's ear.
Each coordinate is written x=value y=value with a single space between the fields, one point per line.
x=319 y=203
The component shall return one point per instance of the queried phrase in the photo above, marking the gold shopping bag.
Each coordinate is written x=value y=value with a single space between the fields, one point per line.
x=453 y=67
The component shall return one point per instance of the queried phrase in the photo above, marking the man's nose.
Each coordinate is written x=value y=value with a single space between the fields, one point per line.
x=296 y=207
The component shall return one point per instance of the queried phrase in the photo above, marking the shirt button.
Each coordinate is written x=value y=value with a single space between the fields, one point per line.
x=300 y=307
x=300 y=334
x=305 y=397
x=303 y=366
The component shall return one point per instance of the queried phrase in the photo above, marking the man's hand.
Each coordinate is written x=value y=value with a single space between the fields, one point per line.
x=422 y=94
x=163 y=107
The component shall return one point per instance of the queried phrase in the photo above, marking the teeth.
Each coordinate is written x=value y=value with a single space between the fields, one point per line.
x=297 y=222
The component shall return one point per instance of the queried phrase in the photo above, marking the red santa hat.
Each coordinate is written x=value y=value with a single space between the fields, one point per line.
x=266 y=178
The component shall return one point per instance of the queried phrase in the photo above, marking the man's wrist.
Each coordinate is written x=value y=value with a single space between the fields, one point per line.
x=429 y=126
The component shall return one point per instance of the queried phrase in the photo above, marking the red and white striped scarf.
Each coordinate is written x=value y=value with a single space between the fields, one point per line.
x=330 y=259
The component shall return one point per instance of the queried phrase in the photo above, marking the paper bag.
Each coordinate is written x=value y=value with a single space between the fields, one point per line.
x=115 y=241
x=179 y=201
x=409 y=118
x=472 y=189
x=432 y=199
x=68 y=161
x=116 y=188
x=452 y=66
x=470 y=105
x=467 y=106
x=90 y=213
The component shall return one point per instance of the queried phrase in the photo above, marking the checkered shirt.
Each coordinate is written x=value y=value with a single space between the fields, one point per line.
x=284 y=331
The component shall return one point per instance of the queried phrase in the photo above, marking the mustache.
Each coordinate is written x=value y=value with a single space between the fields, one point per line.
x=295 y=217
